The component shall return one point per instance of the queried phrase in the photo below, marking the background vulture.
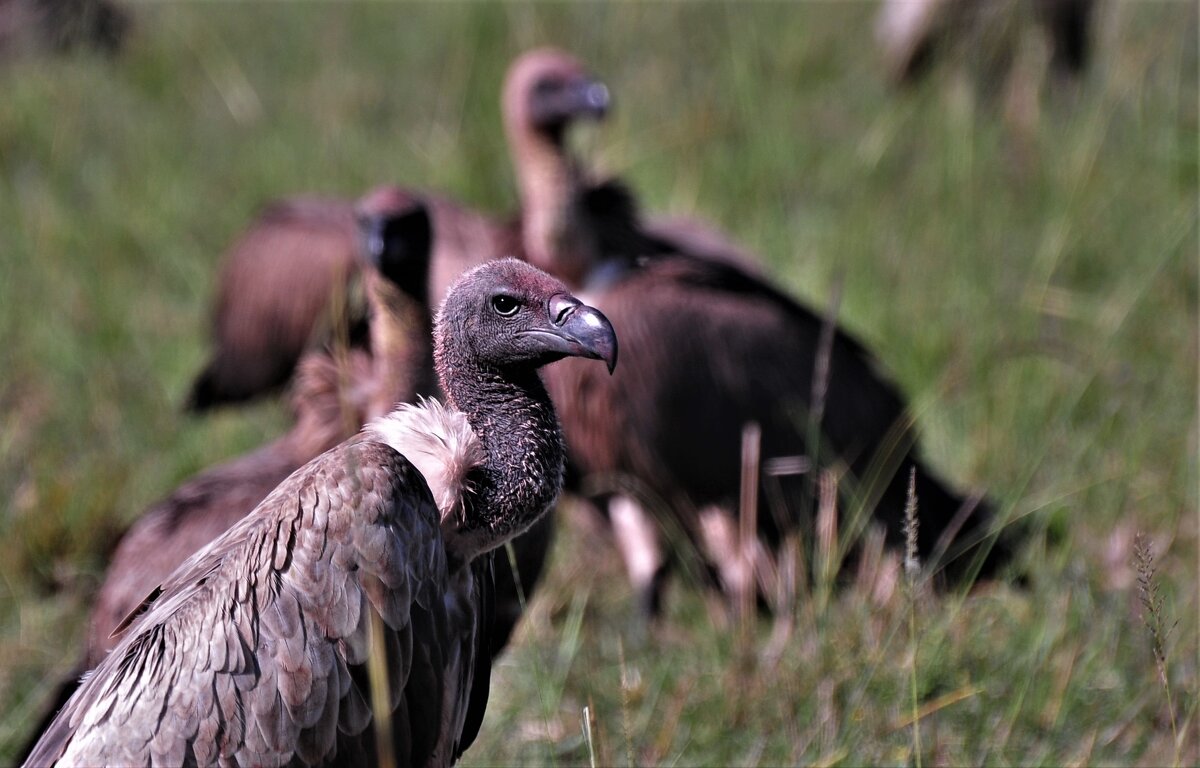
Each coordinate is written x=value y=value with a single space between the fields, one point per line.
x=717 y=347
x=288 y=280
x=254 y=650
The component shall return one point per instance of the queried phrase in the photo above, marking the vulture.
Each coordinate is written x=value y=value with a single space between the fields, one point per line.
x=565 y=214
x=58 y=26
x=717 y=346
x=911 y=32
x=254 y=651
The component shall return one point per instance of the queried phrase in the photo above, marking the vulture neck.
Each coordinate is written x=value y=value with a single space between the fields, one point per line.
x=553 y=233
x=520 y=478
x=400 y=333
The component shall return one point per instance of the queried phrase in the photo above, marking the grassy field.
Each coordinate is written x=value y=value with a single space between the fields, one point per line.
x=1031 y=284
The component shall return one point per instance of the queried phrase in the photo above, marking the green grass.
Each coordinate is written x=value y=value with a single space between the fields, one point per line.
x=1033 y=289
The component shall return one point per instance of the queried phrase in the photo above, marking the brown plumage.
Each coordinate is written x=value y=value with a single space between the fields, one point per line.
x=254 y=650
x=332 y=397
x=289 y=279
x=710 y=348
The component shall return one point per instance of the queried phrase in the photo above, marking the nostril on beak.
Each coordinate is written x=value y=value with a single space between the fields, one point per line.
x=561 y=308
x=597 y=96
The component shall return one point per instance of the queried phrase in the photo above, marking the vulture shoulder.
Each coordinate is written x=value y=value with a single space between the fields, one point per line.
x=250 y=652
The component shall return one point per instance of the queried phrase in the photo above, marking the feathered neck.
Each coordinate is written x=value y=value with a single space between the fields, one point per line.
x=555 y=237
x=511 y=414
x=493 y=457
x=400 y=346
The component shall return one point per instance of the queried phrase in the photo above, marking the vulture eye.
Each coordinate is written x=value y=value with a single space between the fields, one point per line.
x=505 y=306
x=545 y=86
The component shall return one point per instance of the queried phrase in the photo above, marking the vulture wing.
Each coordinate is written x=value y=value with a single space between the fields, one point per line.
x=254 y=650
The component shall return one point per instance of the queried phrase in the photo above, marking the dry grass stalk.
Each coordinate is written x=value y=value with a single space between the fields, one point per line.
x=748 y=524
x=587 y=735
x=912 y=570
x=377 y=672
x=1153 y=616
x=827 y=556
x=627 y=685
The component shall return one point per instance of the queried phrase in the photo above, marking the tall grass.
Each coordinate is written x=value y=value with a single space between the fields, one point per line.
x=1033 y=289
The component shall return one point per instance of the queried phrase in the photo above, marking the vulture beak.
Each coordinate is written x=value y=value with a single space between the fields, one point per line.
x=581 y=97
x=370 y=230
x=578 y=330
x=590 y=98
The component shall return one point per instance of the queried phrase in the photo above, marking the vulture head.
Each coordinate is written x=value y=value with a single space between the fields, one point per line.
x=395 y=240
x=396 y=236
x=501 y=322
x=545 y=90
x=510 y=317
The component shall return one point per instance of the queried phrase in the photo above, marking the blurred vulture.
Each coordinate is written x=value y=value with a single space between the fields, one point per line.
x=61 y=25
x=255 y=650
x=716 y=347
x=288 y=280
x=913 y=32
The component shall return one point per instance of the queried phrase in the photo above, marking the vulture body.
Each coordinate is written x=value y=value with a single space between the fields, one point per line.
x=708 y=349
x=716 y=347
x=912 y=32
x=28 y=26
x=254 y=650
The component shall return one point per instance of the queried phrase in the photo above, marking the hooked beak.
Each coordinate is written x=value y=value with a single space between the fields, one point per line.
x=577 y=330
x=591 y=98
x=583 y=97
x=370 y=232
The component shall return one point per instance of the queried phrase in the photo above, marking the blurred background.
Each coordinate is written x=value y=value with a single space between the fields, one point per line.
x=1016 y=244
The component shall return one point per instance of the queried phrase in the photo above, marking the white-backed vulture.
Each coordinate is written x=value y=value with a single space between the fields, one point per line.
x=333 y=397
x=564 y=210
x=717 y=347
x=254 y=651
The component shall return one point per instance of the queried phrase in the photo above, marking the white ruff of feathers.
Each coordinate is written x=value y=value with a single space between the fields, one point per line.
x=440 y=444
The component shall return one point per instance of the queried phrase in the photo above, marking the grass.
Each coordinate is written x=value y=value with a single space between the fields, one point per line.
x=1032 y=287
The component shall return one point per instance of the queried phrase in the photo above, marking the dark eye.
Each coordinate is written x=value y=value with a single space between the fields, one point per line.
x=505 y=306
x=545 y=86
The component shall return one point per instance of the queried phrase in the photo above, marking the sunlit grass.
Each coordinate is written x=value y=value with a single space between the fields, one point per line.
x=1033 y=291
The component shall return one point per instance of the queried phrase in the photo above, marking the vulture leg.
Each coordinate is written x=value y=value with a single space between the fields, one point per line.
x=638 y=541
